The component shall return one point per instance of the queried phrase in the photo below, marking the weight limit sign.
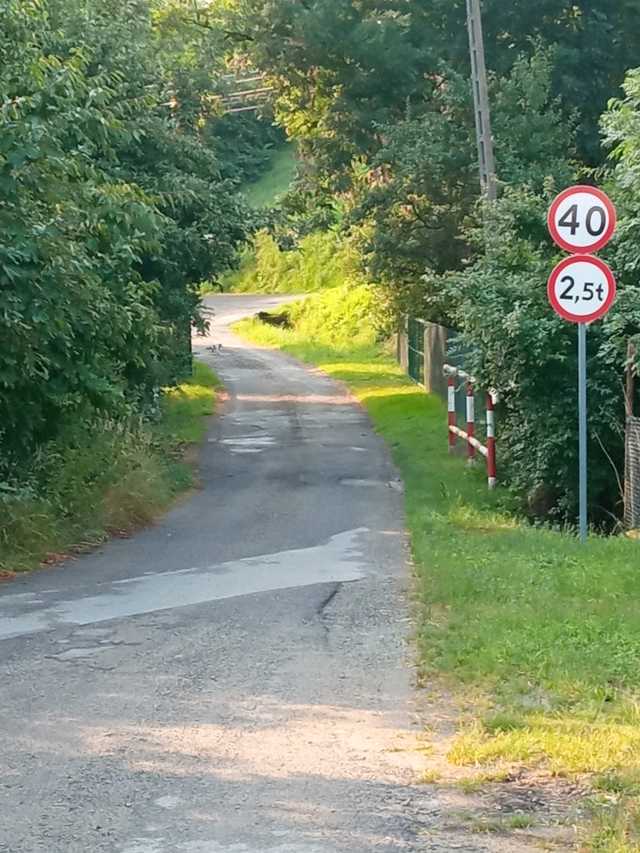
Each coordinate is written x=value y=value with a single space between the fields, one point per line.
x=582 y=220
x=581 y=289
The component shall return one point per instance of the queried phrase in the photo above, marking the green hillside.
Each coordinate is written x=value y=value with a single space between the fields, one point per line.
x=266 y=191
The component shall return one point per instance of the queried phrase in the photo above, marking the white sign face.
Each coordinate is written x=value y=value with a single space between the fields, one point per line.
x=581 y=289
x=582 y=220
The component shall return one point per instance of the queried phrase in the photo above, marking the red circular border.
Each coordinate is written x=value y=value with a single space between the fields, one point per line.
x=606 y=305
x=602 y=241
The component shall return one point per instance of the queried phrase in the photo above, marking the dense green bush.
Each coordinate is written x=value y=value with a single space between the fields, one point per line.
x=112 y=208
x=341 y=316
x=529 y=355
x=321 y=260
x=102 y=476
x=523 y=350
x=415 y=203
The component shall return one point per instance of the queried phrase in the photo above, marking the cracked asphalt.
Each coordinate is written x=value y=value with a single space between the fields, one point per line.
x=237 y=678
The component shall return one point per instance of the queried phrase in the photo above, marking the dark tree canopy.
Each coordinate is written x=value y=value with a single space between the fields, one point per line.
x=345 y=67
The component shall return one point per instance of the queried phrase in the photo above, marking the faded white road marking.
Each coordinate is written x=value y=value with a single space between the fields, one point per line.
x=338 y=560
x=159 y=846
x=168 y=802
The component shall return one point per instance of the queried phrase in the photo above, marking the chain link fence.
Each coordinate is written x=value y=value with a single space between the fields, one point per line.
x=632 y=475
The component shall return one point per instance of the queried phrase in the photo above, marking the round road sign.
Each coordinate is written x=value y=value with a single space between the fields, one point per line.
x=581 y=289
x=582 y=220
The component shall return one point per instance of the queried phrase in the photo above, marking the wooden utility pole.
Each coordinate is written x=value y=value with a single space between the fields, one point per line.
x=481 y=101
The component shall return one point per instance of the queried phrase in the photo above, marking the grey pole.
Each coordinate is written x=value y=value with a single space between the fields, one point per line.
x=481 y=101
x=582 y=407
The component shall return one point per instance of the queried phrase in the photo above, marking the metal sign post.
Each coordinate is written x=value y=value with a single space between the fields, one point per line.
x=581 y=289
x=582 y=414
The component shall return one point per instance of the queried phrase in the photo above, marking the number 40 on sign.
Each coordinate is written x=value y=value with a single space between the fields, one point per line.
x=582 y=220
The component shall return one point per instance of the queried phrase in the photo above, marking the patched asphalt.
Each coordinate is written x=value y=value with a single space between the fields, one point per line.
x=238 y=677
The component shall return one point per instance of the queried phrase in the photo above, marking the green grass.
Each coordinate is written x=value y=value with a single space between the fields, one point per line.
x=321 y=261
x=185 y=408
x=538 y=635
x=267 y=190
x=111 y=478
x=504 y=824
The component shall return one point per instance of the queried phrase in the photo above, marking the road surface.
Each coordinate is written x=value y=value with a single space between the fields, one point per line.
x=233 y=678
x=237 y=678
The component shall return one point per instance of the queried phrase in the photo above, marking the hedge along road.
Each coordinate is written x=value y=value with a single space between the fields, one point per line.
x=236 y=678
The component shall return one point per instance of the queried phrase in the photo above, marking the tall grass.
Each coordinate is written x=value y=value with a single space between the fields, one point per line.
x=109 y=477
x=323 y=260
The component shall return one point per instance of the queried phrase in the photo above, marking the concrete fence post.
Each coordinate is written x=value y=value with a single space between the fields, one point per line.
x=403 y=345
x=632 y=475
x=435 y=358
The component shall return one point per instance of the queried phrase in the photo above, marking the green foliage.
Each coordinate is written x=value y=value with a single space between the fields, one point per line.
x=344 y=69
x=622 y=133
x=341 y=317
x=535 y=137
x=102 y=476
x=341 y=68
x=112 y=208
x=416 y=201
x=322 y=260
x=528 y=355
x=75 y=314
x=274 y=183
x=421 y=187
x=596 y=41
x=249 y=147
x=184 y=407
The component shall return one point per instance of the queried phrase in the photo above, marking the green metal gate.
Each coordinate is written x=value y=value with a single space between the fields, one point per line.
x=415 y=335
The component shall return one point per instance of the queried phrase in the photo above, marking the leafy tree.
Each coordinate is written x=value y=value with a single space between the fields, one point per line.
x=72 y=305
x=417 y=200
x=112 y=209
x=343 y=68
x=517 y=345
x=621 y=126
x=596 y=42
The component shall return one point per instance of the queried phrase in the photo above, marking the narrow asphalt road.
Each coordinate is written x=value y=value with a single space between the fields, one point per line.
x=236 y=679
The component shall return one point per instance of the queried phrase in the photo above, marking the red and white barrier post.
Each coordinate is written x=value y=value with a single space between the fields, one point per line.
x=471 y=424
x=474 y=446
x=492 y=473
x=451 y=382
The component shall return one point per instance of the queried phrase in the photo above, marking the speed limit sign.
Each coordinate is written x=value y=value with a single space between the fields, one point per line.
x=582 y=220
x=581 y=289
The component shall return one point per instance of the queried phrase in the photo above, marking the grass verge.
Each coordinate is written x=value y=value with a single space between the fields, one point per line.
x=267 y=190
x=538 y=637
x=109 y=479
